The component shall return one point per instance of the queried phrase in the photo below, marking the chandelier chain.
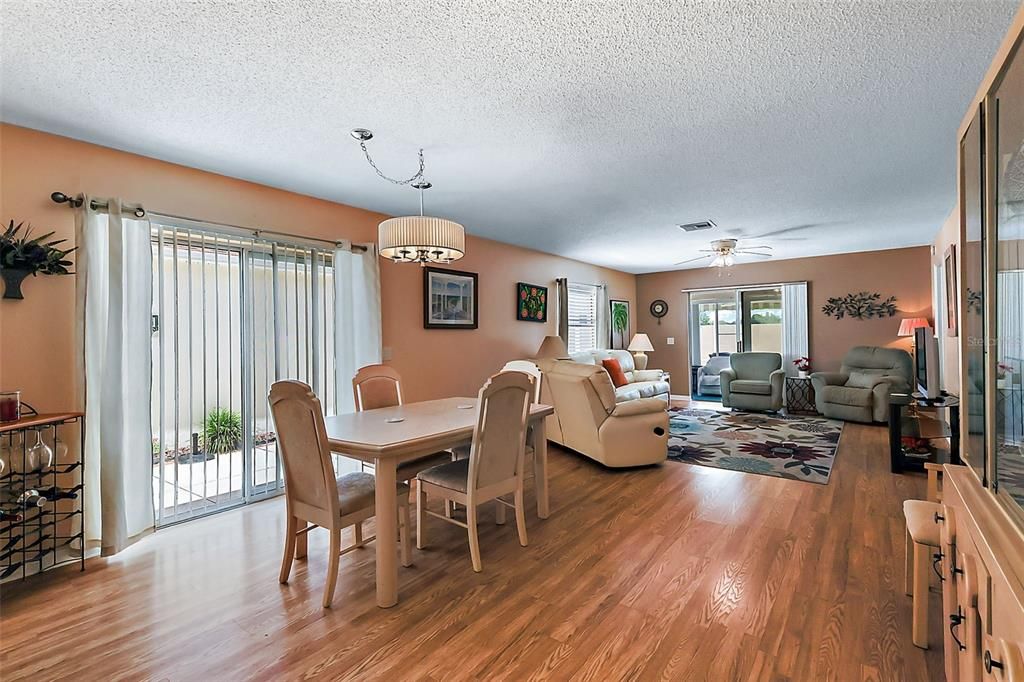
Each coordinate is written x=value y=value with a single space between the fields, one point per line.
x=409 y=181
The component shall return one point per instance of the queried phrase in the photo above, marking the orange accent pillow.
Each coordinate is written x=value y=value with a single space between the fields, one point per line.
x=614 y=370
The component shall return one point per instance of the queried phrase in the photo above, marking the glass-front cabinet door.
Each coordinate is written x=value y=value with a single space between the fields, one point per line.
x=972 y=258
x=1008 y=220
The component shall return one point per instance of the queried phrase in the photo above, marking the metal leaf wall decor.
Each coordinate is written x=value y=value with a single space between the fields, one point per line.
x=862 y=306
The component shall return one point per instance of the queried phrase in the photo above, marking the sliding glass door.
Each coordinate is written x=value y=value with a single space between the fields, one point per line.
x=231 y=315
x=761 y=320
x=733 y=320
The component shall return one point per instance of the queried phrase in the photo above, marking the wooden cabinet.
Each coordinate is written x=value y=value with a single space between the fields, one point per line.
x=983 y=590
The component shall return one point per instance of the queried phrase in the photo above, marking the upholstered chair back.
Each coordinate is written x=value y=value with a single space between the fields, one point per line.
x=527 y=367
x=302 y=441
x=877 y=360
x=499 y=439
x=755 y=366
x=376 y=386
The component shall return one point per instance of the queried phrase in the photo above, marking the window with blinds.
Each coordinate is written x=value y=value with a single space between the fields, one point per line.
x=582 y=317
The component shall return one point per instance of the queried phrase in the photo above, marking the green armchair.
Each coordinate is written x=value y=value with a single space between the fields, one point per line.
x=860 y=391
x=753 y=381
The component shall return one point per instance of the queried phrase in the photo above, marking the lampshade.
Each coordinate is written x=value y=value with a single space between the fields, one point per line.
x=640 y=343
x=421 y=239
x=909 y=324
x=552 y=347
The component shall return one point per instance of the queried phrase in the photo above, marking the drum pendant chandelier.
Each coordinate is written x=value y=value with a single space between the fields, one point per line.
x=417 y=238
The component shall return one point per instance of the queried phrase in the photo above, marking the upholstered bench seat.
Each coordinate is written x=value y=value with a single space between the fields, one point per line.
x=921 y=523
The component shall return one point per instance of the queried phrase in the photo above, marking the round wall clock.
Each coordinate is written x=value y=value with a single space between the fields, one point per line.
x=659 y=309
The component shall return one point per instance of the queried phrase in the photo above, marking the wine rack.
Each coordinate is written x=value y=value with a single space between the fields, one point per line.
x=42 y=501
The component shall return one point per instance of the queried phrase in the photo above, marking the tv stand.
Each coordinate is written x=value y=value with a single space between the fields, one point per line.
x=924 y=421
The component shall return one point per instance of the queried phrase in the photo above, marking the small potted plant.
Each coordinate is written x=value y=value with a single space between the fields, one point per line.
x=803 y=366
x=22 y=255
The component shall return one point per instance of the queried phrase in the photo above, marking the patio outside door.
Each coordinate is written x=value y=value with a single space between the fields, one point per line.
x=231 y=315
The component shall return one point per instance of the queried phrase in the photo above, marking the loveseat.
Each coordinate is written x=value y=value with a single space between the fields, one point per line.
x=642 y=383
x=860 y=390
x=591 y=419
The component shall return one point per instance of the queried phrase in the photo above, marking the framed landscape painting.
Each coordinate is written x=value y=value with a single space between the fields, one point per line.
x=619 y=323
x=449 y=299
x=531 y=302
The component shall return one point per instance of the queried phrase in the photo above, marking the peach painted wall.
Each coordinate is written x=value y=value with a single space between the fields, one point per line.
x=904 y=273
x=37 y=335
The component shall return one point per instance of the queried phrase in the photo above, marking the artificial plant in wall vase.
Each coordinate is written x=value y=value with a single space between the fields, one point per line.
x=22 y=255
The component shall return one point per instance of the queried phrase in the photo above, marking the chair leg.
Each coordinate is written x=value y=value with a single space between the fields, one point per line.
x=289 y=549
x=499 y=512
x=920 y=619
x=358 y=529
x=908 y=568
x=521 y=514
x=403 y=534
x=421 y=503
x=474 y=541
x=449 y=508
x=301 y=541
x=332 y=567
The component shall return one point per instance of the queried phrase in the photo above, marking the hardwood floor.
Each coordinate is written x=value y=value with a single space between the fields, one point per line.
x=673 y=572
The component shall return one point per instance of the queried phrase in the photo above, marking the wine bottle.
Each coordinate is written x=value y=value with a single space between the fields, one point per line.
x=31 y=498
x=55 y=493
x=7 y=515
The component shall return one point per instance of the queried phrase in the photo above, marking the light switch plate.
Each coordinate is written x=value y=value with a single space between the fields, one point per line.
x=670 y=341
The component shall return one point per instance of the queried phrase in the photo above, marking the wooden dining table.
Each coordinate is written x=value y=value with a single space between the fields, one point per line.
x=389 y=436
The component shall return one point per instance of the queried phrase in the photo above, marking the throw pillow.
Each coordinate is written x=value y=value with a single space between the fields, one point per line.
x=614 y=370
x=862 y=380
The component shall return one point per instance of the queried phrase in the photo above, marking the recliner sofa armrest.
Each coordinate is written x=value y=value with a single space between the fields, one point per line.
x=632 y=408
x=777 y=379
x=726 y=377
x=646 y=375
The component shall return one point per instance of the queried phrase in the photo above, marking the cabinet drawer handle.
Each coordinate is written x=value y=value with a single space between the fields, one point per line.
x=954 y=620
x=936 y=560
x=991 y=662
x=939 y=518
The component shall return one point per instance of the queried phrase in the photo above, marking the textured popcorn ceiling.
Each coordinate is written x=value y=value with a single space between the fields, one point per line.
x=583 y=129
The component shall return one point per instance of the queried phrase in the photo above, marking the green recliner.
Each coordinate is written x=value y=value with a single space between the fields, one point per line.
x=860 y=391
x=753 y=381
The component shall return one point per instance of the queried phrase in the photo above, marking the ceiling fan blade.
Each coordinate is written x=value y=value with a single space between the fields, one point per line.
x=754 y=253
x=759 y=247
x=785 y=230
x=684 y=262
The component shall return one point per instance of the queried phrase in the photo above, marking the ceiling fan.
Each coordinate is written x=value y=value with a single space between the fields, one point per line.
x=723 y=253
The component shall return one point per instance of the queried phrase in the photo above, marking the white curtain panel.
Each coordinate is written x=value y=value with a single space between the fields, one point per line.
x=1010 y=318
x=357 y=337
x=114 y=302
x=795 y=341
x=604 y=314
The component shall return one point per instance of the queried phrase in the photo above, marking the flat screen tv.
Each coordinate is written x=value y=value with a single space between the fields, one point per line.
x=926 y=363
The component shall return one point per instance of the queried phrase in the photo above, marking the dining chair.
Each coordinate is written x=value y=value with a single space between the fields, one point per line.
x=314 y=493
x=377 y=386
x=495 y=463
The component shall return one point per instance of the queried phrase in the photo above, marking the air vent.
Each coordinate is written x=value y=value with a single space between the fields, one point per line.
x=697 y=227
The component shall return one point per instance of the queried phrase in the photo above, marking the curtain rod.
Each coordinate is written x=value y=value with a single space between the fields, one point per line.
x=726 y=287
x=76 y=202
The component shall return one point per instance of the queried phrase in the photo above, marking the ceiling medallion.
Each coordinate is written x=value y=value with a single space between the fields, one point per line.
x=416 y=238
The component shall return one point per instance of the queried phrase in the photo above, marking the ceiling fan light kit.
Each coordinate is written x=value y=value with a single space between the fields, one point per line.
x=723 y=253
x=416 y=238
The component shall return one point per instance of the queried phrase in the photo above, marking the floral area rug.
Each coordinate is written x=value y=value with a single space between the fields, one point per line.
x=800 y=447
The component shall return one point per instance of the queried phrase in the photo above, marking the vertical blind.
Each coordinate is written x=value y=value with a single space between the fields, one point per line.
x=583 y=314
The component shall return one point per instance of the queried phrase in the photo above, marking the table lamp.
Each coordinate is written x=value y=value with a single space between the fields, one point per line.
x=909 y=324
x=639 y=347
x=552 y=347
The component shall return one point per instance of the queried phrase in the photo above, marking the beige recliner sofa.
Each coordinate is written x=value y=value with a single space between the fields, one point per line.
x=643 y=383
x=860 y=391
x=590 y=420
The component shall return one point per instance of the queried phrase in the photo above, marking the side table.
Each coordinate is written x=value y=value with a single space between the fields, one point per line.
x=800 y=396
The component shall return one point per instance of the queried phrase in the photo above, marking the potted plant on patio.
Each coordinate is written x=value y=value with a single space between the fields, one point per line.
x=21 y=256
x=222 y=431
